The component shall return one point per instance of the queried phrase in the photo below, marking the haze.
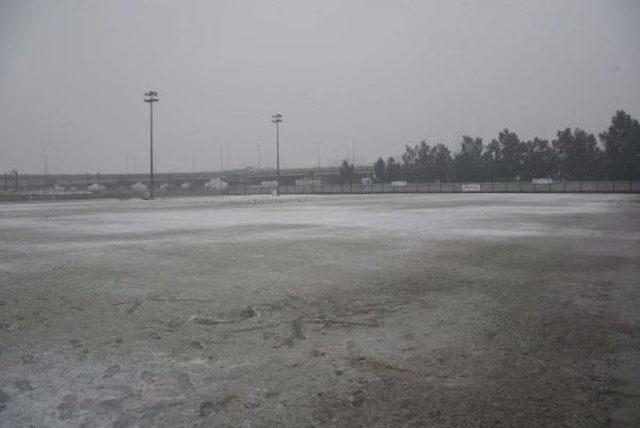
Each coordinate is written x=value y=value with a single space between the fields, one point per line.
x=370 y=76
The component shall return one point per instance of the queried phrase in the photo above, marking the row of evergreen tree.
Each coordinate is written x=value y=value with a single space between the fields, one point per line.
x=572 y=155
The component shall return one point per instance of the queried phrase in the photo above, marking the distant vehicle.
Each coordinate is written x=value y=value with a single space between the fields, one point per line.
x=398 y=183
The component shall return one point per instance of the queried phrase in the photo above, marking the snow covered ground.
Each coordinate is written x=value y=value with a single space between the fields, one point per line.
x=437 y=309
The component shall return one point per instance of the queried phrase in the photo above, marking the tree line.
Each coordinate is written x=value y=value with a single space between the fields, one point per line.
x=573 y=155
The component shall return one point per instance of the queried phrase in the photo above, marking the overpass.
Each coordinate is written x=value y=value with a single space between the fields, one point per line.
x=246 y=176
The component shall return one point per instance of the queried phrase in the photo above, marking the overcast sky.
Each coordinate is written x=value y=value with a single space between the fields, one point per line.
x=374 y=75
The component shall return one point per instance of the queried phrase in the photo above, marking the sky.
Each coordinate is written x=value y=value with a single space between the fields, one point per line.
x=363 y=77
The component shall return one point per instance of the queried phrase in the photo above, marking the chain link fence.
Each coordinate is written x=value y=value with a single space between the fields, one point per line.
x=485 y=187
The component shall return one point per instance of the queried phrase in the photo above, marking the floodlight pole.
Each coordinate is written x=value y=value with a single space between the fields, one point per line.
x=150 y=97
x=277 y=119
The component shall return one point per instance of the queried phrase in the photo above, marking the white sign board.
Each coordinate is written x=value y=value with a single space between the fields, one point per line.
x=471 y=187
x=542 y=181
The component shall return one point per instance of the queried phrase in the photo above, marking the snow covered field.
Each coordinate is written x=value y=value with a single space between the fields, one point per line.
x=468 y=309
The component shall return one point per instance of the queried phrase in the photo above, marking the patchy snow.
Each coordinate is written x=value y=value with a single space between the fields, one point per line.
x=80 y=226
x=211 y=310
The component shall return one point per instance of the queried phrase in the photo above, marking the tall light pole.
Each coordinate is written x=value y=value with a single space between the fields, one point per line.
x=258 y=147
x=150 y=97
x=277 y=119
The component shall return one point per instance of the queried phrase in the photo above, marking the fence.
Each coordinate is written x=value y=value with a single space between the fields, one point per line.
x=357 y=188
x=487 y=187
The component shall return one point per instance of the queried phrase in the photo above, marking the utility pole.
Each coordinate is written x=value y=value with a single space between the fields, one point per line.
x=221 y=166
x=258 y=147
x=6 y=179
x=44 y=152
x=150 y=97
x=15 y=173
x=353 y=152
x=277 y=119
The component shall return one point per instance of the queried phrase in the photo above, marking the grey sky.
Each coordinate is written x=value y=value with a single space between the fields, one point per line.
x=378 y=74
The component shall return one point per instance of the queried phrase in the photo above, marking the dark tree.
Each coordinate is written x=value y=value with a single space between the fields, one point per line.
x=539 y=160
x=578 y=154
x=394 y=172
x=622 y=147
x=468 y=163
x=573 y=155
x=442 y=162
x=492 y=159
x=409 y=162
x=511 y=150
x=380 y=170
x=346 y=172
x=423 y=161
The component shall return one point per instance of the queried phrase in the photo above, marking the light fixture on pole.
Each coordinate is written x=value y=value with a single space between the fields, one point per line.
x=277 y=119
x=151 y=97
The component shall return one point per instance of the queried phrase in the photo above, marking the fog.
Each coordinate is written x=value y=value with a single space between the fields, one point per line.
x=364 y=77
